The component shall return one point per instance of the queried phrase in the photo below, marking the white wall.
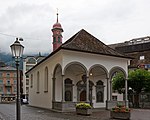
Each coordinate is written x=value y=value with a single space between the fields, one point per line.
x=89 y=60
x=65 y=57
x=43 y=99
x=119 y=96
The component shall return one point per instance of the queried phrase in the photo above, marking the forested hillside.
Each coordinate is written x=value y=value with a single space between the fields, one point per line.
x=7 y=58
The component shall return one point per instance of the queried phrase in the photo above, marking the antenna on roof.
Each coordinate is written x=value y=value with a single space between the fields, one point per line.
x=57 y=15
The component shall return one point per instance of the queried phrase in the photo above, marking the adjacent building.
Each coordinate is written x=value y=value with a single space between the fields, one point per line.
x=79 y=70
x=138 y=49
x=8 y=83
x=28 y=63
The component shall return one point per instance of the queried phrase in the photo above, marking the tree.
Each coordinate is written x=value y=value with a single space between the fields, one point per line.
x=118 y=82
x=138 y=81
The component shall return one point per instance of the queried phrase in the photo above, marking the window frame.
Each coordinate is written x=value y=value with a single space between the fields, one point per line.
x=99 y=89
x=46 y=80
x=38 y=82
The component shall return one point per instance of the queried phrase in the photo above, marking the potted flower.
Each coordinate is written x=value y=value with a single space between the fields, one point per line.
x=120 y=112
x=83 y=109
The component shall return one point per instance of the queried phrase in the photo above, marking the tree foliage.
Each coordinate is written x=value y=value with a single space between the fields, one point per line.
x=118 y=82
x=138 y=80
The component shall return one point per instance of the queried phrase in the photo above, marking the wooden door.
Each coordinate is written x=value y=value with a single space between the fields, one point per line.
x=83 y=96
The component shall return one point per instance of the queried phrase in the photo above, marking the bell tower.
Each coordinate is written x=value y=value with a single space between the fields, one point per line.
x=57 y=34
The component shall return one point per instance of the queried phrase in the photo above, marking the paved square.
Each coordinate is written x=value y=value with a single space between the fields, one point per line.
x=7 y=112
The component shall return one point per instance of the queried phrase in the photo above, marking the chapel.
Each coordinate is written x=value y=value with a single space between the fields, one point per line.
x=78 y=70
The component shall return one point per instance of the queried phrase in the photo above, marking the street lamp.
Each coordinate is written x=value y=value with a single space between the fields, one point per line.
x=17 y=51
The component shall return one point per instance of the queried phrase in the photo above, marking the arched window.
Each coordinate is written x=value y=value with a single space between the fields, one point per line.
x=54 y=39
x=38 y=82
x=31 y=80
x=59 y=39
x=99 y=91
x=46 y=80
x=68 y=89
x=99 y=82
x=68 y=81
x=31 y=61
x=40 y=59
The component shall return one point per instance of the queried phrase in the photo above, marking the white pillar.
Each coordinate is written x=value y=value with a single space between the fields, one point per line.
x=54 y=88
x=107 y=89
x=126 y=93
x=87 y=89
x=110 y=89
x=63 y=89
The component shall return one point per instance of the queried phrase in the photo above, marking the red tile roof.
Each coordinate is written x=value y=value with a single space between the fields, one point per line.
x=85 y=42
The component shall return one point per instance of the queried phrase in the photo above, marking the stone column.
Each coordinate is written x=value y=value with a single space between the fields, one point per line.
x=110 y=89
x=126 y=93
x=107 y=101
x=87 y=89
x=54 y=79
x=63 y=89
x=107 y=89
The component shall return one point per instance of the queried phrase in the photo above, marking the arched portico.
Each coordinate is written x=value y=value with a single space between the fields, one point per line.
x=75 y=66
x=79 y=84
x=64 y=94
x=112 y=73
x=115 y=70
x=75 y=71
x=98 y=73
x=57 y=83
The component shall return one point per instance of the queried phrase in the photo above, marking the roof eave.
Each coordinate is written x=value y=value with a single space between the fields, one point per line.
x=97 y=53
x=51 y=54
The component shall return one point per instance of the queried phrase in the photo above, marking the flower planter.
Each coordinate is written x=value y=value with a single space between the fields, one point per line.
x=120 y=115
x=83 y=111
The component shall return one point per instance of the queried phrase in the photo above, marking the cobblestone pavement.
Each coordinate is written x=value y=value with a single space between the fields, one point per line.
x=7 y=112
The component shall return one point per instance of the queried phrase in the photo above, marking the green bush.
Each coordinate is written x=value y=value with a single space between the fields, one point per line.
x=83 y=106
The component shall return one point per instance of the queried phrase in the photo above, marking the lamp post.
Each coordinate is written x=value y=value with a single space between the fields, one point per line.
x=17 y=51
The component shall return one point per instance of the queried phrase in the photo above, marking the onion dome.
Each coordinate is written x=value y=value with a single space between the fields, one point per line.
x=57 y=25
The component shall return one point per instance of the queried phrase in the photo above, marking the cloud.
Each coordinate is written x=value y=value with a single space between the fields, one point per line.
x=111 y=21
x=27 y=21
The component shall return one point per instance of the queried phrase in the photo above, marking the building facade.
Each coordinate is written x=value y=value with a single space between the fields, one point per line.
x=28 y=63
x=138 y=49
x=8 y=82
x=79 y=70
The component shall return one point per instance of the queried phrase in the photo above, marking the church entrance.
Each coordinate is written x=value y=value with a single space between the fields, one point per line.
x=81 y=91
x=83 y=96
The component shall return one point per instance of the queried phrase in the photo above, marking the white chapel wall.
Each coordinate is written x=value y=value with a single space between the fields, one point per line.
x=43 y=99
x=64 y=57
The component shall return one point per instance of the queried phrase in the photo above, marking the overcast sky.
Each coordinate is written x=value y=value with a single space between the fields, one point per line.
x=111 y=21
